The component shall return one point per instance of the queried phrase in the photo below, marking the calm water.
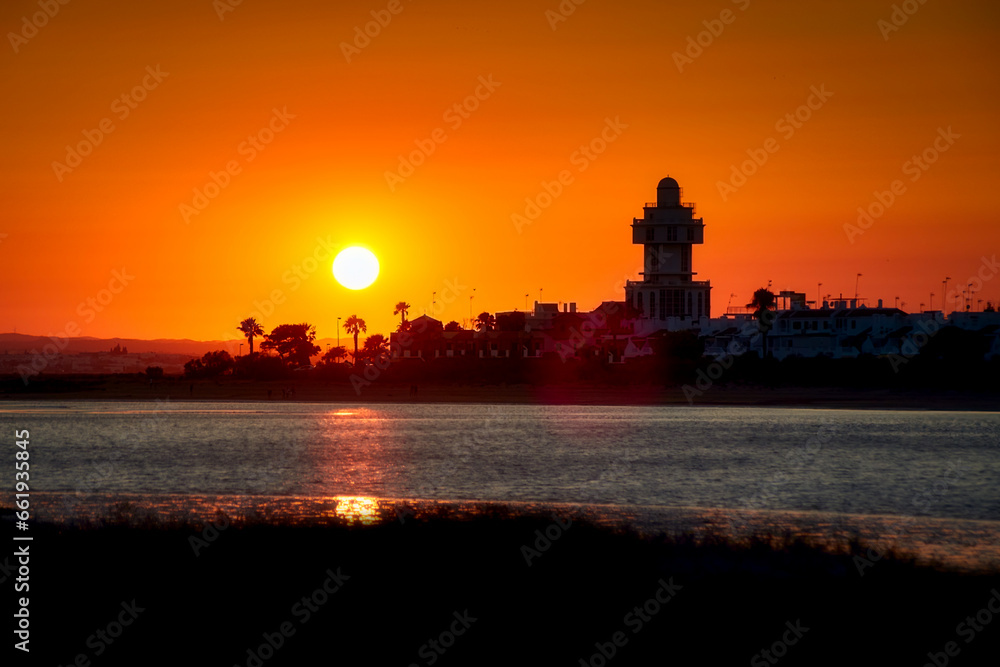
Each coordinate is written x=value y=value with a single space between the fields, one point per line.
x=816 y=470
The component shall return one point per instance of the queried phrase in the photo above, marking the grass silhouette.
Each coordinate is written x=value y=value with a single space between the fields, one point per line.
x=213 y=592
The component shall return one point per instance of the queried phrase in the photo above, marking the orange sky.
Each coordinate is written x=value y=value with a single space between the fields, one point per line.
x=323 y=174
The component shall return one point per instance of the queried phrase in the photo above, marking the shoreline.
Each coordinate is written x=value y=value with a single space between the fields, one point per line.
x=949 y=543
x=55 y=388
x=515 y=578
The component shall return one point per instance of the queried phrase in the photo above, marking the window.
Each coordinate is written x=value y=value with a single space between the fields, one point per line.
x=652 y=304
x=649 y=234
x=638 y=301
x=701 y=303
x=685 y=259
x=671 y=233
x=690 y=300
x=671 y=303
x=690 y=234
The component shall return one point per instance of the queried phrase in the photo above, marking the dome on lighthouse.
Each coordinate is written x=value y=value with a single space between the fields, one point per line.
x=668 y=193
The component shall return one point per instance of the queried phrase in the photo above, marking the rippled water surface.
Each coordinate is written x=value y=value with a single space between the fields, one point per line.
x=742 y=461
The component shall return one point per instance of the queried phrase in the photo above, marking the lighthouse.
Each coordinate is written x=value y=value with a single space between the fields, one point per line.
x=668 y=296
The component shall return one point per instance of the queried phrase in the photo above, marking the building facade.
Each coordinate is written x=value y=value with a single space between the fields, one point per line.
x=668 y=296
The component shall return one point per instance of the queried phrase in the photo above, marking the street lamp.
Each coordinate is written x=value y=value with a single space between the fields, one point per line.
x=338 y=332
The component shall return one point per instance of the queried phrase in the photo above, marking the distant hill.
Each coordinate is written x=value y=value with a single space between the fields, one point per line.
x=13 y=343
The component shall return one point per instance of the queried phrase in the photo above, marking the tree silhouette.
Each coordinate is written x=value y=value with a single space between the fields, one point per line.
x=212 y=364
x=402 y=308
x=375 y=346
x=453 y=326
x=355 y=325
x=250 y=329
x=763 y=304
x=333 y=355
x=292 y=342
x=485 y=322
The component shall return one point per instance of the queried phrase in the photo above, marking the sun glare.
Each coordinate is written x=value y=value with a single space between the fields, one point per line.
x=355 y=268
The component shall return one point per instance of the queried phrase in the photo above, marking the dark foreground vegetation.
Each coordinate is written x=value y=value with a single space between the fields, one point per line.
x=252 y=594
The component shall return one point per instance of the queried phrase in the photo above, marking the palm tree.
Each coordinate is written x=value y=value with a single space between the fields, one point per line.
x=402 y=308
x=375 y=346
x=763 y=304
x=355 y=325
x=485 y=322
x=250 y=329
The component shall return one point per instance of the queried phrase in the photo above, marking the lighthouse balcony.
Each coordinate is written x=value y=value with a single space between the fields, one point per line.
x=684 y=204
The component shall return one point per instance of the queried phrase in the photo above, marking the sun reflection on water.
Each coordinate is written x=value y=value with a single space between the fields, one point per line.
x=361 y=509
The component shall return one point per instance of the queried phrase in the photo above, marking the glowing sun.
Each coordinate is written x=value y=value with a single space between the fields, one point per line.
x=355 y=268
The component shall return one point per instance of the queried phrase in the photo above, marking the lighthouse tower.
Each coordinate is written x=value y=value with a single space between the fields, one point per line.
x=668 y=297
